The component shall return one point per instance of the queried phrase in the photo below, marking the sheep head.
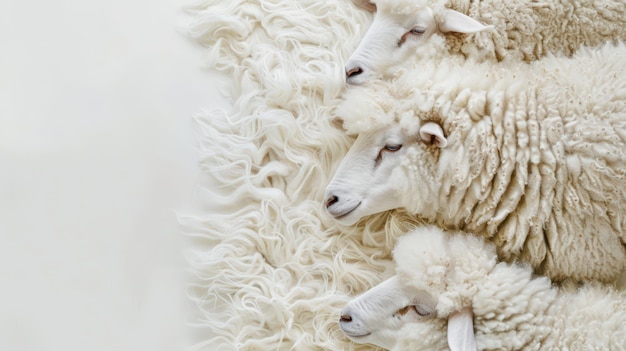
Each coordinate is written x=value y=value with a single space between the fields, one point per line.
x=371 y=178
x=449 y=266
x=380 y=315
x=428 y=302
x=400 y=30
x=415 y=139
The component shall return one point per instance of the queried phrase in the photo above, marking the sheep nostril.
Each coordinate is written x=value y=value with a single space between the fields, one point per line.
x=331 y=200
x=345 y=318
x=354 y=72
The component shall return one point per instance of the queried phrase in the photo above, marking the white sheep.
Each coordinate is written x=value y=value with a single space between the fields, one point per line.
x=517 y=29
x=450 y=292
x=530 y=156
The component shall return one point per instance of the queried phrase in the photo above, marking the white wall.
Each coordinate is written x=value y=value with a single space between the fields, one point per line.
x=96 y=154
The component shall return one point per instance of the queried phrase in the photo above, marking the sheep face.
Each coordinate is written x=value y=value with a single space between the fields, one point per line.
x=399 y=33
x=390 y=40
x=427 y=304
x=360 y=186
x=364 y=182
x=379 y=315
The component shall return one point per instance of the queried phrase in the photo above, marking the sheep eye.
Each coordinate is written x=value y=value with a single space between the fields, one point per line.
x=421 y=311
x=393 y=147
x=414 y=31
x=417 y=308
x=388 y=148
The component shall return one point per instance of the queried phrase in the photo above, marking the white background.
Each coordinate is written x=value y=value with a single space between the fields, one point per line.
x=97 y=155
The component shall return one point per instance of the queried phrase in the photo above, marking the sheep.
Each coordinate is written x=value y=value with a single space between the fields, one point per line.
x=518 y=30
x=530 y=156
x=450 y=292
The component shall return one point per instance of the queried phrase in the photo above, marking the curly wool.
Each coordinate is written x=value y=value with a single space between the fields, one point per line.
x=512 y=309
x=526 y=29
x=536 y=155
x=270 y=267
x=400 y=7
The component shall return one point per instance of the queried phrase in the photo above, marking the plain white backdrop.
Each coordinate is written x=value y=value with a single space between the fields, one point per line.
x=97 y=154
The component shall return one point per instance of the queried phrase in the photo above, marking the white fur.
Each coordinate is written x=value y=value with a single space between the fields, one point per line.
x=521 y=30
x=270 y=269
x=477 y=303
x=532 y=157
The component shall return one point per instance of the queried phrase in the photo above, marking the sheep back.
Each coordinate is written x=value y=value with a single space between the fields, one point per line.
x=527 y=29
x=589 y=317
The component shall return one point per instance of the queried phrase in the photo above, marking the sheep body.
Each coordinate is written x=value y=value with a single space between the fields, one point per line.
x=530 y=29
x=522 y=29
x=535 y=158
x=512 y=309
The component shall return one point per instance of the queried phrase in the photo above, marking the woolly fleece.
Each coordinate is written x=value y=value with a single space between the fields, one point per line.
x=513 y=310
x=536 y=155
x=526 y=29
x=271 y=270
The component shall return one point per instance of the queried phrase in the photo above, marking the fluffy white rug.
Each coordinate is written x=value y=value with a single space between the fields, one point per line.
x=272 y=269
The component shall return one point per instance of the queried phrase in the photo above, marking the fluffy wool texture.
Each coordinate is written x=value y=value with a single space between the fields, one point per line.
x=513 y=310
x=401 y=7
x=536 y=154
x=271 y=268
x=526 y=29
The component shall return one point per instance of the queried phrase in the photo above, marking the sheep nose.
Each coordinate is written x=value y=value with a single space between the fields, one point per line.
x=331 y=200
x=353 y=72
x=345 y=318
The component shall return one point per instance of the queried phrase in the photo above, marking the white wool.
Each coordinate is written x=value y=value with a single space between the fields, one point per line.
x=520 y=30
x=529 y=30
x=511 y=308
x=401 y=6
x=447 y=273
x=270 y=268
x=536 y=154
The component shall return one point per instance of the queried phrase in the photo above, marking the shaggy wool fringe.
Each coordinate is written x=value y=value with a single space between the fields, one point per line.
x=272 y=269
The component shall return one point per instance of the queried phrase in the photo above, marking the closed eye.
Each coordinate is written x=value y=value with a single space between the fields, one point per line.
x=393 y=147
x=413 y=31
x=417 y=308
x=387 y=148
x=422 y=311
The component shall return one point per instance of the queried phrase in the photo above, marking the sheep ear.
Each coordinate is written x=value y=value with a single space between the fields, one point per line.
x=461 y=331
x=454 y=21
x=431 y=132
x=366 y=5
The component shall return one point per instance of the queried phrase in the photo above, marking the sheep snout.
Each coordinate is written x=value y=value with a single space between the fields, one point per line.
x=353 y=72
x=331 y=201
x=352 y=325
x=356 y=75
x=341 y=207
x=357 y=72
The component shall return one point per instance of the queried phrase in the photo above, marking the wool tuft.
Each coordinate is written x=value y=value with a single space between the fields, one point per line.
x=270 y=269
